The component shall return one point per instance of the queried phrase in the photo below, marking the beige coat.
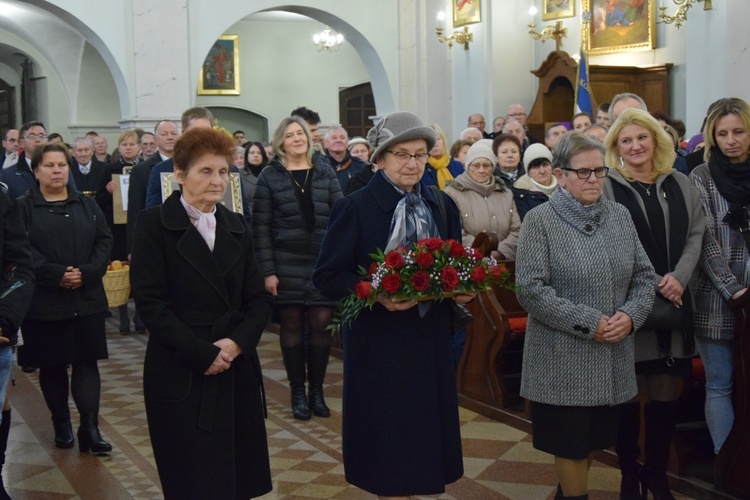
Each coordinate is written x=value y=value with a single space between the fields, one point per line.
x=486 y=208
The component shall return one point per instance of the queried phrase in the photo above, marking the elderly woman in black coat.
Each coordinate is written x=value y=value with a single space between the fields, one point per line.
x=70 y=247
x=293 y=200
x=401 y=429
x=196 y=283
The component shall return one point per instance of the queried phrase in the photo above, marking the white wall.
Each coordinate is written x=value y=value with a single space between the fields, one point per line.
x=280 y=70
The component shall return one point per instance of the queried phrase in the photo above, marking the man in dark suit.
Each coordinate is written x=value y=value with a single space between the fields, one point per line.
x=18 y=177
x=10 y=147
x=88 y=172
x=191 y=118
x=166 y=134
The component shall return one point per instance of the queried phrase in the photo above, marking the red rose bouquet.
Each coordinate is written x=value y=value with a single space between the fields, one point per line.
x=432 y=269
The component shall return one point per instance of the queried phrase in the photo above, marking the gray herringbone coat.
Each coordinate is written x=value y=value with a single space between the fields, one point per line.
x=573 y=265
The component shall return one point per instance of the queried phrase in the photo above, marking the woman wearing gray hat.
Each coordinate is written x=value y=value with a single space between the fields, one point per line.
x=485 y=204
x=400 y=410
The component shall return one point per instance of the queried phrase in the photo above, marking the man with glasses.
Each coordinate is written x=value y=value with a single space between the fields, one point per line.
x=18 y=177
x=476 y=120
x=518 y=113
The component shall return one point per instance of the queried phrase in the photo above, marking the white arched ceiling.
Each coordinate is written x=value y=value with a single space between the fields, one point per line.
x=59 y=37
x=381 y=87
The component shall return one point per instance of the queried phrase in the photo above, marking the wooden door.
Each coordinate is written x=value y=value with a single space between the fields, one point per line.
x=356 y=105
x=7 y=106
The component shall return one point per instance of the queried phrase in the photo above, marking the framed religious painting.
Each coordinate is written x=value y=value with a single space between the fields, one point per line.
x=232 y=196
x=558 y=9
x=621 y=25
x=220 y=73
x=466 y=12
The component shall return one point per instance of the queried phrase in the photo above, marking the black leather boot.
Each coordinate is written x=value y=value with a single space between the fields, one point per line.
x=294 y=361
x=660 y=425
x=63 y=430
x=628 y=451
x=89 y=438
x=317 y=362
x=4 y=431
x=124 y=319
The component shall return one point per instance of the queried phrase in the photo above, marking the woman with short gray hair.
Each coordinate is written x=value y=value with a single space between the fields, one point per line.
x=587 y=284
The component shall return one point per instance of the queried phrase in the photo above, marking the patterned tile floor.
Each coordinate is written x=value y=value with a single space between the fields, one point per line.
x=499 y=460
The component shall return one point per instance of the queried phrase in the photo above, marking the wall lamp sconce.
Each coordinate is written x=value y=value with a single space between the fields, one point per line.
x=461 y=37
x=556 y=32
x=683 y=6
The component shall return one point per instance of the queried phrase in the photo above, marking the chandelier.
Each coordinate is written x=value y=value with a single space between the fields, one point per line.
x=327 y=40
x=680 y=16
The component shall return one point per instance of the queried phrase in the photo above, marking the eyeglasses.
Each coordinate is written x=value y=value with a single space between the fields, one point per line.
x=35 y=136
x=481 y=166
x=585 y=173
x=404 y=157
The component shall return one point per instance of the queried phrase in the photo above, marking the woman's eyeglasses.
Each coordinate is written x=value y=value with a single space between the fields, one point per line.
x=403 y=157
x=585 y=173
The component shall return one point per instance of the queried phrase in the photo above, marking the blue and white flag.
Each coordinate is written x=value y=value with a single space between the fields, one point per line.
x=583 y=89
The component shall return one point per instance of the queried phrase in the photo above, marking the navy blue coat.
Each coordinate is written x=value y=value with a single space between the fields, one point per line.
x=400 y=409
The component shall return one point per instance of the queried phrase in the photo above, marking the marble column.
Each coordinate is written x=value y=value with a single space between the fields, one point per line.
x=160 y=61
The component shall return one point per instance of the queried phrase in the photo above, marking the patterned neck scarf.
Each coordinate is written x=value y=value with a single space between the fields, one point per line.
x=412 y=219
x=204 y=222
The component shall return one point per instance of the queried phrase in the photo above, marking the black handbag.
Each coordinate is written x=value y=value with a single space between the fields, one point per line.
x=460 y=316
x=663 y=316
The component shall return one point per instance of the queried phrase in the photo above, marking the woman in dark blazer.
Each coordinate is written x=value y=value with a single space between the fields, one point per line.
x=400 y=429
x=197 y=286
x=293 y=200
x=70 y=247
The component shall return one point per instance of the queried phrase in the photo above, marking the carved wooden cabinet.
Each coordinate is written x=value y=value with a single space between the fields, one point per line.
x=557 y=78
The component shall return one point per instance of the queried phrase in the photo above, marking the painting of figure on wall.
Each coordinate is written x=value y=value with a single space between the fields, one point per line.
x=622 y=25
x=558 y=9
x=220 y=71
x=466 y=12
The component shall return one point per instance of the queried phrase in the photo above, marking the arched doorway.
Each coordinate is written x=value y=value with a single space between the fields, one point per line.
x=252 y=124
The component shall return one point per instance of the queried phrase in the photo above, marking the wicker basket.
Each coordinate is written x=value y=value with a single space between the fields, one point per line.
x=117 y=287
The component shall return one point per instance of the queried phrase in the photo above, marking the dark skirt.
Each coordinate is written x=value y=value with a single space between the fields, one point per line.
x=62 y=342
x=573 y=431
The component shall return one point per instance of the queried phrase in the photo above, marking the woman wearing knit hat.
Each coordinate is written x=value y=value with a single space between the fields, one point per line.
x=538 y=182
x=485 y=204
x=400 y=411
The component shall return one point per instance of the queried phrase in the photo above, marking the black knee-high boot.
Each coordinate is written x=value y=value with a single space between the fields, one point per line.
x=628 y=451
x=317 y=362
x=660 y=426
x=124 y=319
x=294 y=361
x=4 y=431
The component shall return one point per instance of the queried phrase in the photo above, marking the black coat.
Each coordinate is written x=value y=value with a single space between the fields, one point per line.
x=524 y=199
x=137 y=194
x=400 y=416
x=207 y=432
x=17 y=279
x=106 y=202
x=61 y=234
x=286 y=247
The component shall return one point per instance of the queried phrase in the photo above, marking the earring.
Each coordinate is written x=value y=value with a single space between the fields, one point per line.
x=622 y=163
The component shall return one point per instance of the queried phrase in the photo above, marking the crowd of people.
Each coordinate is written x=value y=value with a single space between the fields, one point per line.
x=629 y=244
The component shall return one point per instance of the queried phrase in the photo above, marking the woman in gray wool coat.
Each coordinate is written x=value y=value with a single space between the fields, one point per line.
x=587 y=284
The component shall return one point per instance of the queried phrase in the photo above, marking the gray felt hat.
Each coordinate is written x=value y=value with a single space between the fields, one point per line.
x=398 y=127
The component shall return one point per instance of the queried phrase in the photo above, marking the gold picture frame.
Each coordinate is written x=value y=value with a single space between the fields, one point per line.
x=232 y=196
x=558 y=9
x=621 y=29
x=220 y=73
x=466 y=12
